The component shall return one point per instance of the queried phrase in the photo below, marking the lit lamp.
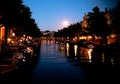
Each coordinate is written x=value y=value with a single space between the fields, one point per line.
x=13 y=37
x=13 y=34
x=9 y=40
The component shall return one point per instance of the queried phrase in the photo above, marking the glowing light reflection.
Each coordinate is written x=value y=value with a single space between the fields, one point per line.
x=89 y=54
x=67 y=49
x=75 y=49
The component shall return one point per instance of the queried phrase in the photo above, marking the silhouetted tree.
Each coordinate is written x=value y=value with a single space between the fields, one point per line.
x=98 y=23
x=14 y=14
x=8 y=14
x=115 y=14
x=70 y=31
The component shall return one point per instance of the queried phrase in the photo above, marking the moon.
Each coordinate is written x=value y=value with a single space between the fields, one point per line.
x=65 y=23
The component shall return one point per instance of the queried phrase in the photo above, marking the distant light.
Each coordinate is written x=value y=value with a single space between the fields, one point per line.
x=13 y=34
x=8 y=40
x=65 y=23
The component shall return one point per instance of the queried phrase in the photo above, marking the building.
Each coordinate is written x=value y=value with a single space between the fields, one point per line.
x=2 y=33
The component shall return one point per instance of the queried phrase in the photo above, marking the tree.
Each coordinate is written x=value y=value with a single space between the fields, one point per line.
x=70 y=31
x=8 y=13
x=14 y=14
x=98 y=23
x=115 y=14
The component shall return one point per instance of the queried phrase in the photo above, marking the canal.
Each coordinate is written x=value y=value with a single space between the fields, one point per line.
x=56 y=64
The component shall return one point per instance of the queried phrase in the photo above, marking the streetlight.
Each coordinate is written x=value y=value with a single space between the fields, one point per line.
x=13 y=34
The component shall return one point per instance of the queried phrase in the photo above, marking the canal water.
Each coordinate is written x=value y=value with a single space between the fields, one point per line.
x=54 y=67
x=56 y=64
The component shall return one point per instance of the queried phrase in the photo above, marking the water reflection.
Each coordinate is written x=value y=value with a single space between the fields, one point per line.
x=105 y=54
x=89 y=54
x=67 y=49
x=75 y=49
x=79 y=53
x=54 y=68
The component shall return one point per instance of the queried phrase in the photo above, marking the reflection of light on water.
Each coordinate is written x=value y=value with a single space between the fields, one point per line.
x=52 y=41
x=89 y=54
x=86 y=54
x=75 y=58
x=75 y=49
x=62 y=47
x=67 y=49
x=103 y=57
x=112 y=61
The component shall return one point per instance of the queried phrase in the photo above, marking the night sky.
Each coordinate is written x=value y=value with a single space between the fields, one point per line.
x=50 y=14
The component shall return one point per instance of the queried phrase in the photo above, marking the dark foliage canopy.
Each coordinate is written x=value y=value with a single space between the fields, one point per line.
x=14 y=14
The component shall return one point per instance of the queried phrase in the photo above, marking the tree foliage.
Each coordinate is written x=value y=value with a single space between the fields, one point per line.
x=70 y=31
x=98 y=22
x=115 y=14
x=14 y=14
